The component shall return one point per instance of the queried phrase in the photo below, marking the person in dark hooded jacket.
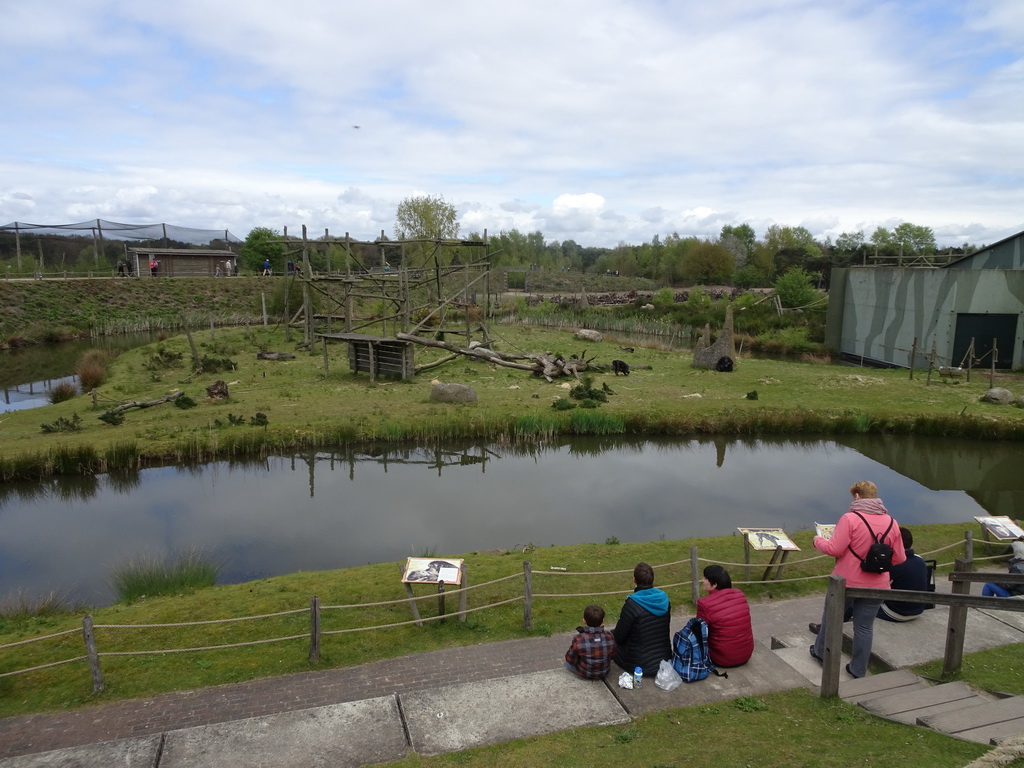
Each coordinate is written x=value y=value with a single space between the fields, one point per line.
x=642 y=631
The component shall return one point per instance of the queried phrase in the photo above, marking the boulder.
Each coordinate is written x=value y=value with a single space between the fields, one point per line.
x=999 y=396
x=442 y=392
x=585 y=334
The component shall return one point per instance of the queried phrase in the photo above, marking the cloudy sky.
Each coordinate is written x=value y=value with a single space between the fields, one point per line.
x=603 y=121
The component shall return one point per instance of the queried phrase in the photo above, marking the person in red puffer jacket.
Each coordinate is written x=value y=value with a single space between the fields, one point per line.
x=725 y=609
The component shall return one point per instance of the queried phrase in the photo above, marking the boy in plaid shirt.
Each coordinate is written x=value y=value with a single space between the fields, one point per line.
x=590 y=655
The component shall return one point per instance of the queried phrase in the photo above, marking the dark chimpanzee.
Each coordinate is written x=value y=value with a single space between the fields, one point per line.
x=620 y=366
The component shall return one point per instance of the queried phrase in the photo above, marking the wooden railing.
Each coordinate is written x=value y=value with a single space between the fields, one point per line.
x=959 y=601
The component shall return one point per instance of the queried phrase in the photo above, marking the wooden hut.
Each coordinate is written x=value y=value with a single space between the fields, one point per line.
x=182 y=262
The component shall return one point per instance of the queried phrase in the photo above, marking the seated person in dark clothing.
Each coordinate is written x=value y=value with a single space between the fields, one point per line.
x=642 y=632
x=910 y=574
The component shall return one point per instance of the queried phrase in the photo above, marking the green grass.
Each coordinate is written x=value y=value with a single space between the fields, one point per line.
x=303 y=409
x=127 y=677
x=794 y=729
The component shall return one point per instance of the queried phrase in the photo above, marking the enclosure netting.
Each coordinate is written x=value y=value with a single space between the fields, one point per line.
x=117 y=230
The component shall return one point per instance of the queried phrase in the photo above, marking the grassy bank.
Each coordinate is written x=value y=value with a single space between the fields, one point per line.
x=41 y=311
x=291 y=404
x=285 y=601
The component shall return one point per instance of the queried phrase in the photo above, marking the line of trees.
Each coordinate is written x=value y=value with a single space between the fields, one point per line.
x=737 y=256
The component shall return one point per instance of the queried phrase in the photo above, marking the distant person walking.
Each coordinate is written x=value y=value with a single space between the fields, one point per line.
x=120 y=268
x=266 y=267
x=154 y=265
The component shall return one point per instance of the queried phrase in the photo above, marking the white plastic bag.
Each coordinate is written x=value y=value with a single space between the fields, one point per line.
x=626 y=680
x=668 y=679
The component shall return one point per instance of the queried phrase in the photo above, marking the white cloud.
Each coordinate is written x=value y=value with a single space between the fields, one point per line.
x=600 y=121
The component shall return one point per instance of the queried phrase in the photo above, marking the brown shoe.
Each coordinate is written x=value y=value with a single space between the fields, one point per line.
x=815 y=628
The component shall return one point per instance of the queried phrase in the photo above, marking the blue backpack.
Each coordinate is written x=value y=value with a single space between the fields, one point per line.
x=690 y=652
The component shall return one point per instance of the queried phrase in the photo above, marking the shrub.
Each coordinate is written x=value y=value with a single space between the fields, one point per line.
x=216 y=364
x=61 y=392
x=795 y=288
x=63 y=424
x=163 y=359
x=91 y=374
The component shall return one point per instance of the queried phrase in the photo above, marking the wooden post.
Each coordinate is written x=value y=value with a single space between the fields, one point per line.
x=324 y=340
x=970 y=360
x=527 y=595
x=835 y=603
x=462 y=594
x=314 y=629
x=956 y=626
x=993 y=353
x=746 y=558
x=371 y=361
x=95 y=398
x=913 y=357
x=412 y=601
x=287 y=303
x=92 y=653
x=440 y=599
x=969 y=545
x=263 y=299
x=196 y=365
x=694 y=575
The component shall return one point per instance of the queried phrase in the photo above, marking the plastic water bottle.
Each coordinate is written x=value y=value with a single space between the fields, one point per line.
x=638 y=677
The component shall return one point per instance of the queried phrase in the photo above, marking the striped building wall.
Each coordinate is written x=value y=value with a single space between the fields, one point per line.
x=878 y=312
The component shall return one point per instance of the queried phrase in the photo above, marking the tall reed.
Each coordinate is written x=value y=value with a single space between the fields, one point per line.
x=151 y=576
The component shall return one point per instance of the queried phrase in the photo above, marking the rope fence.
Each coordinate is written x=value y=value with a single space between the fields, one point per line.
x=528 y=595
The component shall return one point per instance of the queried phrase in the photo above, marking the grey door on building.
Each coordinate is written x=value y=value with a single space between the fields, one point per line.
x=985 y=330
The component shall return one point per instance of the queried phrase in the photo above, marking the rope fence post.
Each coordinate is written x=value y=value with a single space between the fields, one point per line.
x=694 y=580
x=90 y=650
x=968 y=545
x=314 y=629
x=463 y=596
x=412 y=600
x=956 y=627
x=527 y=595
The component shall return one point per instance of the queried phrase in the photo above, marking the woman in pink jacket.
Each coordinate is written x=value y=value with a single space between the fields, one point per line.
x=849 y=544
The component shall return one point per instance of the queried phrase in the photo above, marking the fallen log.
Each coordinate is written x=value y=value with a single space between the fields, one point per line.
x=145 y=404
x=275 y=356
x=481 y=352
x=543 y=363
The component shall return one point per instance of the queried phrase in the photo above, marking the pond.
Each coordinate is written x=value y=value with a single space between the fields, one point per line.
x=27 y=374
x=332 y=509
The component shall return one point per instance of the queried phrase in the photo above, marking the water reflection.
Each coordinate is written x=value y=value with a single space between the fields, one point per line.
x=27 y=374
x=329 y=509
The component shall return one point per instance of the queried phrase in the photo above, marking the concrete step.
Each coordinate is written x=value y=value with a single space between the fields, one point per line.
x=875 y=686
x=907 y=707
x=800 y=660
x=985 y=724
